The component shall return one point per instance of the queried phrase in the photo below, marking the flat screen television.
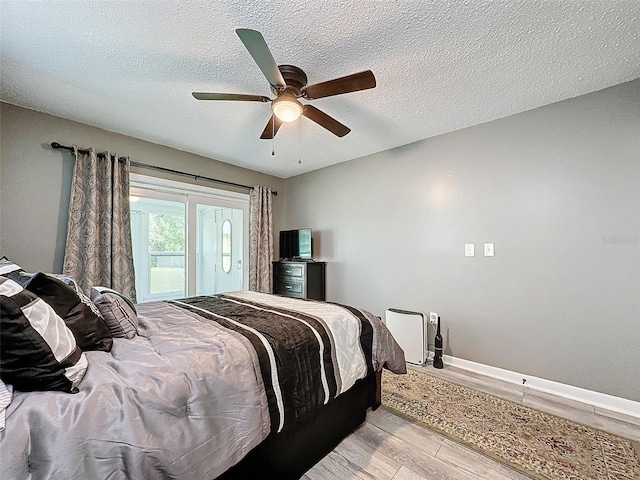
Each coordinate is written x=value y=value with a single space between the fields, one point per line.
x=296 y=244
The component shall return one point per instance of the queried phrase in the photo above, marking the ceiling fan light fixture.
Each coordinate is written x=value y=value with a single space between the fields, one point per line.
x=288 y=83
x=286 y=108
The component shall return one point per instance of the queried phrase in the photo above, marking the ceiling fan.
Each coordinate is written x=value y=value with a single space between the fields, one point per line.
x=289 y=83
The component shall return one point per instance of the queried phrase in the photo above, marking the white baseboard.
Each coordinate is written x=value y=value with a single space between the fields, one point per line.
x=610 y=402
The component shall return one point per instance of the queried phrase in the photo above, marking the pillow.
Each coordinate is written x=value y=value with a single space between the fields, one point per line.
x=10 y=270
x=38 y=351
x=118 y=312
x=25 y=277
x=89 y=329
x=6 y=395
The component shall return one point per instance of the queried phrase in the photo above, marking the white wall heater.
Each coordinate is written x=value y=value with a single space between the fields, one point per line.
x=409 y=330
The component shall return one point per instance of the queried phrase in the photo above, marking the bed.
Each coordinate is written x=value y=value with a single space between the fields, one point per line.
x=229 y=386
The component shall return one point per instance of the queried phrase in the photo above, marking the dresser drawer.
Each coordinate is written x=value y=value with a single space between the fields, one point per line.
x=299 y=279
x=285 y=270
x=290 y=288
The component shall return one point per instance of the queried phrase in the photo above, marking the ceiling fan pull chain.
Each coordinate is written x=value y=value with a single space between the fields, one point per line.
x=299 y=141
x=273 y=134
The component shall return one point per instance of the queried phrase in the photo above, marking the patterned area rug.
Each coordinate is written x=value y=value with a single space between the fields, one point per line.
x=535 y=443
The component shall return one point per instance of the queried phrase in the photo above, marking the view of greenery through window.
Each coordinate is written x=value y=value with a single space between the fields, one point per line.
x=166 y=233
x=167 y=252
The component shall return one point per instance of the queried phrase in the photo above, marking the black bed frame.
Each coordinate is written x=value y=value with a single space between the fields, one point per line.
x=289 y=454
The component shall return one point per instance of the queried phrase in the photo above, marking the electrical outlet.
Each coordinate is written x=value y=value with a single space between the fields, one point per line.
x=433 y=317
x=488 y=250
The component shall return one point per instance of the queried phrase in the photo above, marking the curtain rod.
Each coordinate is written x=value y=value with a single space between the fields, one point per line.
x=57 y=146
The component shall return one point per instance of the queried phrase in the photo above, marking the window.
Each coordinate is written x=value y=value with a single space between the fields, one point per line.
x=226 y=246
x=187 y=239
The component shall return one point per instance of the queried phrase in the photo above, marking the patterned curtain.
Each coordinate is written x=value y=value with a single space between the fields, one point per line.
x=260 y=239
x=98 y=249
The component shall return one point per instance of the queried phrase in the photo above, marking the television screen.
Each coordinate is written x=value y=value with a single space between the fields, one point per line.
x=296 y=244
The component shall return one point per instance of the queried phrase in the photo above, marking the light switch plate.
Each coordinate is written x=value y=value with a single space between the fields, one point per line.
x=469 y=249
x=488 y=249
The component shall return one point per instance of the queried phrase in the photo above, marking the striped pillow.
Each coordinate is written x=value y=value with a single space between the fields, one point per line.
x=118 y=312
x=67 y=280
x=10 y=270
x=6 y=395
x=38 y=351
x=89 y=329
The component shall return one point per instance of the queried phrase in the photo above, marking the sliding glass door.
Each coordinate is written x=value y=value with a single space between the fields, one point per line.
x=158 y=231
x=187 y=242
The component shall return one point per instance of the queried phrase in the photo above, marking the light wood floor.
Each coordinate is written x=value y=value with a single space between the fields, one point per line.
x=388 y=447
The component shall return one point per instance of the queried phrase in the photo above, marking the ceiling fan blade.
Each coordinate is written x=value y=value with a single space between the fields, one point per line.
x=337 y=86
x=324 y=120
x=270 y=130
x=230 y=96
x=254 y=42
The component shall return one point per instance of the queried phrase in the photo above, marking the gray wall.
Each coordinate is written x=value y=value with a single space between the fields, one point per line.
x=35 y=180
x=557 y=189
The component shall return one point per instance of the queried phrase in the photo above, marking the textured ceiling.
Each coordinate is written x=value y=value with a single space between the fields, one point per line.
x=130 y=67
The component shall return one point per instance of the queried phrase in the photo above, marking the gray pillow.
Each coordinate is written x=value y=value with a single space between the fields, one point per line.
x=118 y=311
